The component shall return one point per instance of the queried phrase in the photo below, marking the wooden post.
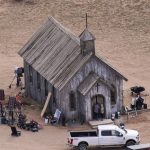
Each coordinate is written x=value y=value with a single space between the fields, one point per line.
x=46 y=104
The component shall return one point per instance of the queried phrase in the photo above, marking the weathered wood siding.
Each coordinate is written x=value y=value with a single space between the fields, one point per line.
x=103 y=71
x=32 y=88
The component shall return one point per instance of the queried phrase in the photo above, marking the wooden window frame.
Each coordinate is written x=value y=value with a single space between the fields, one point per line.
x=113 y=95
x=38 y=81
x=46 y=87
x=30 y=74
x=72 y=101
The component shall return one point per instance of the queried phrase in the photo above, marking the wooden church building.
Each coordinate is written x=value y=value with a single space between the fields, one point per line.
x=57 y=61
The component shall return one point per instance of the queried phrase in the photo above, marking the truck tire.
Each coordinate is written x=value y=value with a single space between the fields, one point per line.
x=129 y=143
x=83 y=146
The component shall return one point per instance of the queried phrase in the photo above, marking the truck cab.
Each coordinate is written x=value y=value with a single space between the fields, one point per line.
x=113 y=135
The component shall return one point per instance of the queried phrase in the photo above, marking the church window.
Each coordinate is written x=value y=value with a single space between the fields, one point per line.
x=72 y=99
x=38 y=81
x=113 y=95
x=30 y=74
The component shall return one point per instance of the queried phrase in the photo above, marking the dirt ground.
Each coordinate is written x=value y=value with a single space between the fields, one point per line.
x=122 y=32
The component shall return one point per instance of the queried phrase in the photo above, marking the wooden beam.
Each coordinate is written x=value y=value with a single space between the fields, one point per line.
x=46 y=104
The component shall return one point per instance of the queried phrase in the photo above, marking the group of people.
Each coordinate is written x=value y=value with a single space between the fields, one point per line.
x=98 y=111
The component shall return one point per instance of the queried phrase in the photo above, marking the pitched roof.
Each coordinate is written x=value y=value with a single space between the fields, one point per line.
x=88 y=83
x=55 y=52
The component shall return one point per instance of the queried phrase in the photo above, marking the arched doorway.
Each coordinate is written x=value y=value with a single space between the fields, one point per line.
x=98 y=100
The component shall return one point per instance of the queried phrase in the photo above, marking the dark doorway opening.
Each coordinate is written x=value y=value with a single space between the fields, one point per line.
x=98 y=107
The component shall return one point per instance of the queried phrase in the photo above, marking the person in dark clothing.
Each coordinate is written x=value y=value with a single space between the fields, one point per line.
x=18 y=81
x=19 y=73
x=18 y=101
x=14 y=131
x=1 y=109
x=2 y=95
x=102 y=111
x=96 y=111
x=139 y=103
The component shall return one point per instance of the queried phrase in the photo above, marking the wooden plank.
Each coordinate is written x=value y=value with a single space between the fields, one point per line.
x=34 y=51
x=46 y=57
x=46 y=104
x=26 y=78
x=32 y=47
x=39 y=47
x=61 y=62
x=54 y=61
x=71 y=70
x=48 y=50
x=65 y=64
x=94 y=124
x=51 y=58
x=65 y=30
x=34 y=36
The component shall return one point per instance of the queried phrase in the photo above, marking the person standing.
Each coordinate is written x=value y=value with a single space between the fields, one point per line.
x=133 y=101
x=18 y=81
x=18 y=101
x=102 y=111
x=96 y=111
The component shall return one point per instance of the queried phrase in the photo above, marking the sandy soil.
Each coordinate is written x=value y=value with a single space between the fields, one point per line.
x=122 y=35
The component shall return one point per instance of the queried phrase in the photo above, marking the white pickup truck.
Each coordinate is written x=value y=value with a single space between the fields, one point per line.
x=105 y=135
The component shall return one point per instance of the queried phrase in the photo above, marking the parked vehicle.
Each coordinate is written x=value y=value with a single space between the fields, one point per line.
x=105 y=135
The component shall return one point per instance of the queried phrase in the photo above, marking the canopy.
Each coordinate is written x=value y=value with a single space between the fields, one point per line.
x=137 y=89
